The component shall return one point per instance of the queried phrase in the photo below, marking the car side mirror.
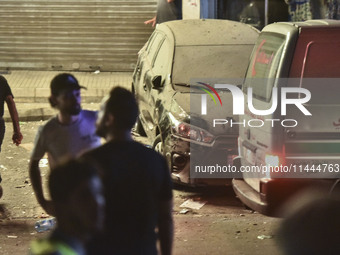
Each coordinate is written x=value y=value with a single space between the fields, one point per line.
x=157 y=82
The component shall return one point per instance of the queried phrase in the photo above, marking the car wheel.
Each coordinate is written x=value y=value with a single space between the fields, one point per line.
x=158 y=145
x=133 y=89
x=139 y=128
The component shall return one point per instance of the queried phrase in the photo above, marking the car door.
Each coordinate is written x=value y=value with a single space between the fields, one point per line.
x=144 y=67
x=158 y=85
x=142 y=55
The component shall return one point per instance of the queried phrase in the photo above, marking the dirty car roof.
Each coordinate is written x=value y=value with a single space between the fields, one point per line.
x=209 y=31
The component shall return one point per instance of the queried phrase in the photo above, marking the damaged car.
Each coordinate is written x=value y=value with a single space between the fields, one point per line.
x=181 y=61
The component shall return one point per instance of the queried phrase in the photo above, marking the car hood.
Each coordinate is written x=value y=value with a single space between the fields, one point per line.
x=186 y=107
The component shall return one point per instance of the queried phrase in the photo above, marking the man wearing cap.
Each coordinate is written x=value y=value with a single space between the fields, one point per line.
x=68 y=134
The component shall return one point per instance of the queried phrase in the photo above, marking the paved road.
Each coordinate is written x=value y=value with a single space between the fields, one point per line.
x=221 y=226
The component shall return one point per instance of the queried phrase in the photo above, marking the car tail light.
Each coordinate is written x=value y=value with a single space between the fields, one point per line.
x=194 y=133
x=190 y=132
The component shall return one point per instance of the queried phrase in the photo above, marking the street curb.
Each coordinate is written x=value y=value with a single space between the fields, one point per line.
x=33 y=114
x=41 y=111
x=41 y=95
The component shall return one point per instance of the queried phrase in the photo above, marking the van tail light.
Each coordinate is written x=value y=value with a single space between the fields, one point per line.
x=276 y=160
x=275 y=166
x=272 y=160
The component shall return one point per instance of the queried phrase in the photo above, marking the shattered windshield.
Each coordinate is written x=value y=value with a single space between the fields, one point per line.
x=209 y=61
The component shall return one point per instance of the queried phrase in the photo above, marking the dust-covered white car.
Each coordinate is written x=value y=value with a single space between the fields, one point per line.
x=179 y=55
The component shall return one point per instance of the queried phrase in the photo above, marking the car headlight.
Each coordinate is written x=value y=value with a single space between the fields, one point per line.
x=190 y=132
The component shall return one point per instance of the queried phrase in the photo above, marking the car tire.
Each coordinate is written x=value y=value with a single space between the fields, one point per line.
x=139 y=128
x=158 y=144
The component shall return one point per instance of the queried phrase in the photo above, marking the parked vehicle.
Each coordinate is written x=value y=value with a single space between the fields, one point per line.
x=292 y=150
x=177 y=53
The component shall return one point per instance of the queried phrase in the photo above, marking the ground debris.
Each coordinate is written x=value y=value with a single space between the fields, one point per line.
x=12 y=237
x=262 y=237
x=184 y=211
x=190 y=203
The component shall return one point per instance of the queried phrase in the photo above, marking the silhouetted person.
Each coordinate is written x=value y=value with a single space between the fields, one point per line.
x=77 y=197
x=167 y=10
x=314 y=229
x=7 y=96
x=137 y=183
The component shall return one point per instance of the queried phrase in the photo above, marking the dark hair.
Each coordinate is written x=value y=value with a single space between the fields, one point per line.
x=123 y=106
x=65 y=177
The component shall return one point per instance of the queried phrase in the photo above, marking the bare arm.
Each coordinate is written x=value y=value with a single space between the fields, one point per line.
x=17 y=136
x=35 y=176
x=151 y=21
x=166 y=227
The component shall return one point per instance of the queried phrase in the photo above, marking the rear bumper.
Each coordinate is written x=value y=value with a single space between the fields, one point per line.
x=275 y=192
x=182 y=156
x=249 y=196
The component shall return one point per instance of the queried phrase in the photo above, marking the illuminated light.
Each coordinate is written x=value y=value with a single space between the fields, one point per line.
x=190 y=132
x=272 y=160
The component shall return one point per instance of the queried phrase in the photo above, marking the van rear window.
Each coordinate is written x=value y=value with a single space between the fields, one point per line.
x=264 y=64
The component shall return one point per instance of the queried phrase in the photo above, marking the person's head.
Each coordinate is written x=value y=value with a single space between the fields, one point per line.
x=65 y=94
x=118 y=112
x=77 y=195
